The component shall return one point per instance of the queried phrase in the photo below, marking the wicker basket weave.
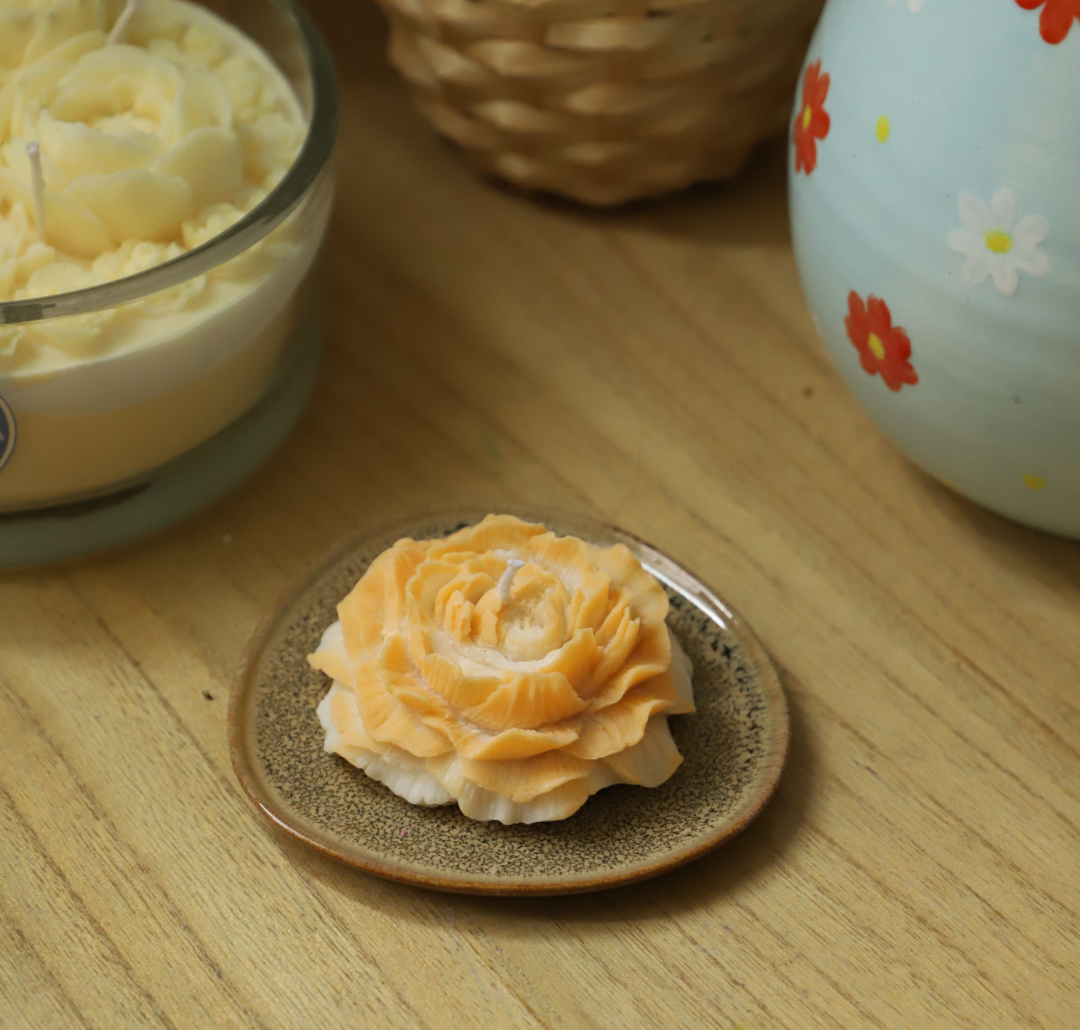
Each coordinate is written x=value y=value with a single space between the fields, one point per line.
x=602 y=100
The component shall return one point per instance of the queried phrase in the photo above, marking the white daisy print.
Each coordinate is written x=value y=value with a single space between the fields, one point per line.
x=913 y=5
x=997 y=247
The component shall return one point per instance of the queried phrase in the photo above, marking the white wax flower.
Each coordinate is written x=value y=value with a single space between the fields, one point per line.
x=148 y=147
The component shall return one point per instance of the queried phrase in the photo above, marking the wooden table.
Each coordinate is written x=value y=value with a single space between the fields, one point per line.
x=918 y=867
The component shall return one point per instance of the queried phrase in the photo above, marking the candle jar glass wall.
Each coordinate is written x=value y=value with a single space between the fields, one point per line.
x=163 y=204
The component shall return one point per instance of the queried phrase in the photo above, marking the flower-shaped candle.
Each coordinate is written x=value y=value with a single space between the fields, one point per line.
x=131 y=135
x=506 y=669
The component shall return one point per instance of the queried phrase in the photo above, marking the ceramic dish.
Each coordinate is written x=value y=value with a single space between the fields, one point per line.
x=734 y=748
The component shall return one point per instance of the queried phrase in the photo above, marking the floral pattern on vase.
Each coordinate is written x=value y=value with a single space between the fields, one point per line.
x=884 y=349
x=1056 y=18
x=812 y=120
x=995 y=246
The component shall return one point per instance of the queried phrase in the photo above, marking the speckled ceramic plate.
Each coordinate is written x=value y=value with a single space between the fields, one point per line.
x=734 y=748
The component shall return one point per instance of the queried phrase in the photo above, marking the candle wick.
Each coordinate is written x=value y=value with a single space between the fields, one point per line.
x=37 y=187
x=121 y=23
x=512 y=567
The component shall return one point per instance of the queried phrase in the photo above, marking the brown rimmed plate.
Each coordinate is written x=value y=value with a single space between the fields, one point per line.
x=733 y=747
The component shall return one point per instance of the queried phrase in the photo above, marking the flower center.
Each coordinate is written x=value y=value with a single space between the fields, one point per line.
x=999 y=242
x=807 y=115
x=877 y=348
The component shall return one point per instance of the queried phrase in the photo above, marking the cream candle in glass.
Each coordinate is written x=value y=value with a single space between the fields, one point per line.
x=164 y=191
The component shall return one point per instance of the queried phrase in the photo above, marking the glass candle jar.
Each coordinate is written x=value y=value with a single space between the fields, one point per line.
x=130 y=403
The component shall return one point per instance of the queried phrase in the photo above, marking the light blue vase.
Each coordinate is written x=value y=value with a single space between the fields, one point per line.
x=935 y=203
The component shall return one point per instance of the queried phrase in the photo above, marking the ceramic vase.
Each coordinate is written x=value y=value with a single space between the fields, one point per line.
x=935 y=201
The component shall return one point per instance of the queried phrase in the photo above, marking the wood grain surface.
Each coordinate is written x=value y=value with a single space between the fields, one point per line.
x=657 y=367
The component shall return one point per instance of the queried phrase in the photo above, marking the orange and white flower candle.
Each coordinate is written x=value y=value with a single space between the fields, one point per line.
x=505 y=669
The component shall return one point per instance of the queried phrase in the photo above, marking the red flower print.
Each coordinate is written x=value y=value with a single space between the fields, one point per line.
x=811 y=120
x=1056 y=18
x=882 y=347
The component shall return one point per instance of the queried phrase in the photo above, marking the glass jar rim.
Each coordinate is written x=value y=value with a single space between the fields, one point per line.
x=269 y=212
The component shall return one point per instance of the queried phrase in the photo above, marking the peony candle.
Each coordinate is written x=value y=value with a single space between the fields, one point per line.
x=505 y=669
x=163 y=196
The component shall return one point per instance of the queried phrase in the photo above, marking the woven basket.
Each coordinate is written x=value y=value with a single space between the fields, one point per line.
x=602 y=100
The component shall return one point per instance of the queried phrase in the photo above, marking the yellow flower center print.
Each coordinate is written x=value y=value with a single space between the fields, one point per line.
x=877 y=348
x=998 y=241
x=807 y=115
x=883 y=129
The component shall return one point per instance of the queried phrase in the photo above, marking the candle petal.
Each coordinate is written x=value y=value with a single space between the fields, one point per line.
x=209 y=161
x=65 y=21
x=134 y=205
x=76 y=149
x=72 y=228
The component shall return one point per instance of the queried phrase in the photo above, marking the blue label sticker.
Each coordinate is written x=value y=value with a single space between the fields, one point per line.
x=7 y=432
